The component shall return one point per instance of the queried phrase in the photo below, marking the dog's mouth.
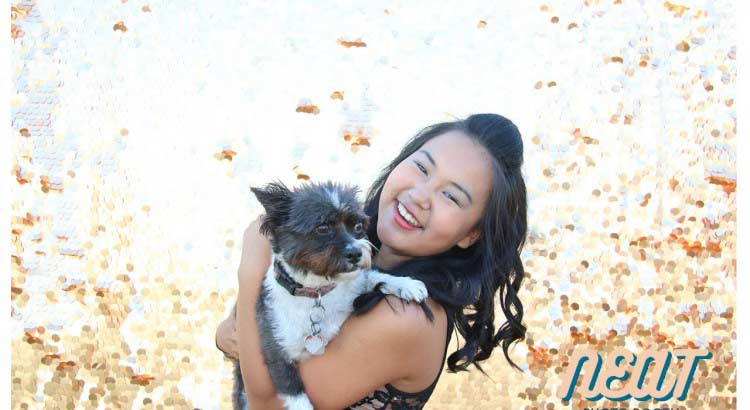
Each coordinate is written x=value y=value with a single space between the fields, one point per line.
x=345 y=268
x=356 y=266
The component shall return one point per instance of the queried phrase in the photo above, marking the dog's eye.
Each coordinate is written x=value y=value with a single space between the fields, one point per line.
x=358 y=227
x=323 y=229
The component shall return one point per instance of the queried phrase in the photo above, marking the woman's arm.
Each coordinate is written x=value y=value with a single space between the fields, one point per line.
x=256 y=257
x=382 y=346
x=379 y=347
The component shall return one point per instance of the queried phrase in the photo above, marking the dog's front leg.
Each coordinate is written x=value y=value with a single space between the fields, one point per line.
x=284 y=371
x=285 y=375
x=289 y=386
x=404 y=287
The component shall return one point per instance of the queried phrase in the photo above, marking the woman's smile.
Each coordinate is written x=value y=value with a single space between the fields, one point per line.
x=404 y=218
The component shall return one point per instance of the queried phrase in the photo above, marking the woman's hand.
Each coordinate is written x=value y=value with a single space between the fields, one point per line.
x=256 y=258
x=226 y=337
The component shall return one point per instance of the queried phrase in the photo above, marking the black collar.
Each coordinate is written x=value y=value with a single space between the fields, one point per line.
x=293 y=287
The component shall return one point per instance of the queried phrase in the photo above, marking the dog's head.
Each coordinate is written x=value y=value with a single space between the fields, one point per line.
x=319 y=227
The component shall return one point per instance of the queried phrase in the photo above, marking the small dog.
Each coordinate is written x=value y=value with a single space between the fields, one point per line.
x=321 y=263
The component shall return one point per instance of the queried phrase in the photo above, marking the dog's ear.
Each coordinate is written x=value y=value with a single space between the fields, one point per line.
x=276 y=198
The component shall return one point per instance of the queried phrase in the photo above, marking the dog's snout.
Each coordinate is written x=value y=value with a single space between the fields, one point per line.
x=353 y=254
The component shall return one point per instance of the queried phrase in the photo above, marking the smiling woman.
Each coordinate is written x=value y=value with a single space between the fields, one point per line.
x=482 y=153
x=426 y=205
x=449 y=210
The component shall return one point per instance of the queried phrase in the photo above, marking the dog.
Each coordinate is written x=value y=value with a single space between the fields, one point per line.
x=321 y=261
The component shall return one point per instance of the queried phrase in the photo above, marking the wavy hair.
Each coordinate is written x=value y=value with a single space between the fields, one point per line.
x=465 y=281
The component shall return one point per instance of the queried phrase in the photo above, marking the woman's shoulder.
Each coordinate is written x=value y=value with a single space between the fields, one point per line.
x=400 y=322
x=409 y=315
x=420 y=342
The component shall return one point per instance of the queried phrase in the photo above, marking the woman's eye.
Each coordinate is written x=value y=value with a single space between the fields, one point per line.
x=421 y=167
x=358 y=227
x=323 y=229
x=452 y=198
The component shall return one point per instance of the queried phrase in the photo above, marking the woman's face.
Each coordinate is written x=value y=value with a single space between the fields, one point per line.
x=434 y=198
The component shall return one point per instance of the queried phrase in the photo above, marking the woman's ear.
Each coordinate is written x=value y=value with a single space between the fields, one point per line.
x=470 y=239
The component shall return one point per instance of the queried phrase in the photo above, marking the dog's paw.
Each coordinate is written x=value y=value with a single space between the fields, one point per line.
x=405 y=288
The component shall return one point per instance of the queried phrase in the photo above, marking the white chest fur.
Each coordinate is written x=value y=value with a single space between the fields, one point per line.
x=290 y=314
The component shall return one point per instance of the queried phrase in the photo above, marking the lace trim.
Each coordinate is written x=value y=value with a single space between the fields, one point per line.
x=384 y=399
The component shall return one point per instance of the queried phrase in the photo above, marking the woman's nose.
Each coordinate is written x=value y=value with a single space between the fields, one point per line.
x=420 y=197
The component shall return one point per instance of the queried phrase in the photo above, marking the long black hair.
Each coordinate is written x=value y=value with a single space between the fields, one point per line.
x=464 y=281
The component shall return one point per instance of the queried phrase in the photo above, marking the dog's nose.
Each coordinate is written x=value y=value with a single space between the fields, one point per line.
x=353 y=254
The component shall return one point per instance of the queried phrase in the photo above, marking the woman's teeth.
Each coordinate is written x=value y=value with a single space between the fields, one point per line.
x=407 y=216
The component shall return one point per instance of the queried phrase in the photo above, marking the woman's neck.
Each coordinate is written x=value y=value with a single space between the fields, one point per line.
x=387 y=258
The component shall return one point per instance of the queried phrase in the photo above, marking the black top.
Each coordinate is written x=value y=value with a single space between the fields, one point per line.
x=389 y=397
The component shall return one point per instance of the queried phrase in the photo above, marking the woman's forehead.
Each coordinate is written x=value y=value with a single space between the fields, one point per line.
x=453 y=141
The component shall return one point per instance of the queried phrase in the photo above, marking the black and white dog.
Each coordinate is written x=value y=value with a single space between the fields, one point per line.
x=321 y=263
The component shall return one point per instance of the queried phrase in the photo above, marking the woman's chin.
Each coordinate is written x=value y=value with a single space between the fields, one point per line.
x=397 y=238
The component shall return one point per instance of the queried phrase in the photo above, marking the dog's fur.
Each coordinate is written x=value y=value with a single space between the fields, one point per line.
x=313 y=257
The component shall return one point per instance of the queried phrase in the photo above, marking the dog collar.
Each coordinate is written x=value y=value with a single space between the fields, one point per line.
x=296 y=289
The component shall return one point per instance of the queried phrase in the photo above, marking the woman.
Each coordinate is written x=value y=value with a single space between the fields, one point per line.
x=449 y=210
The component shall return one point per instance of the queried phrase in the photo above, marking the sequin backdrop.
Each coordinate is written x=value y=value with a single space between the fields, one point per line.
x=138 y=126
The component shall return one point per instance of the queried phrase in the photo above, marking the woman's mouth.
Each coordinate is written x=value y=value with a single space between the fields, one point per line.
x=404 y=219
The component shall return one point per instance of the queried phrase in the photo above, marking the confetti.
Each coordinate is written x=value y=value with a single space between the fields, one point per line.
x=348 y=44
x=20 y=175
x=141 y=379
x=727 y=185
x=300 y=174
x=120 y=26
x=308 y=108
x=677 y=9
x=226 y=154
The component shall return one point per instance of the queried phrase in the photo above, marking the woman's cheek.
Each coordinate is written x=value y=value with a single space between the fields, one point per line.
x=440 y=228
x=448 y=226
